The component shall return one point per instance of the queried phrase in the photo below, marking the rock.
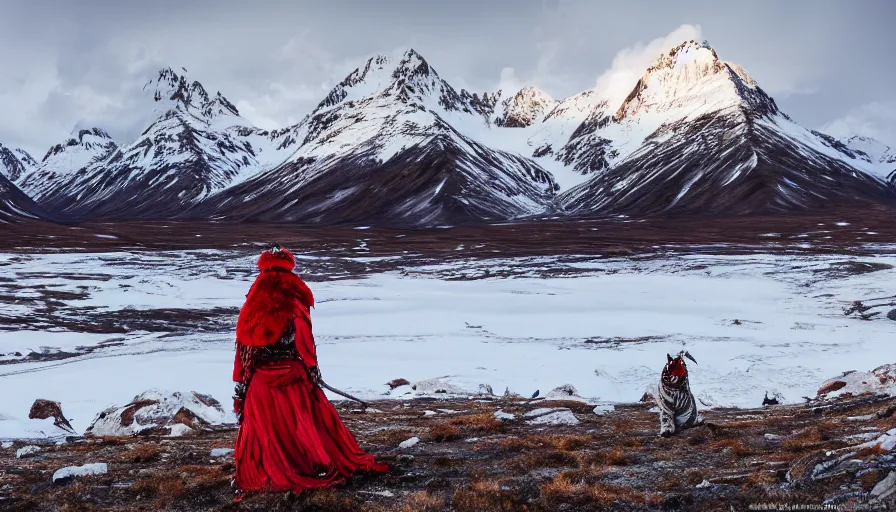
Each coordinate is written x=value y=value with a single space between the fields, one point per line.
x=439 y=387
x=409 y=443
x=831 y=386
x=405 y=458
x=881 y=380
x=222 y=452
x=27 y=451
x=601 y=410
x=561 y=417
x=770 y=401
x=6 y=445
x=504 y=416
x=892 y=314
x=43 y=409
x=158 y=412
x=564 y=390
x=394 y=383
x=886 y=488
x=70 y=472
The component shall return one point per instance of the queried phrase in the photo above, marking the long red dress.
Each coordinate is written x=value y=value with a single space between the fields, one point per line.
x=291 y=437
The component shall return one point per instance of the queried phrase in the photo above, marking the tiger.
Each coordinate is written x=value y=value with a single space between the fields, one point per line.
x=678 y=409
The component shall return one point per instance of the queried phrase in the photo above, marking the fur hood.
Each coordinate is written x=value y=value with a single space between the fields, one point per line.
x=276 y=298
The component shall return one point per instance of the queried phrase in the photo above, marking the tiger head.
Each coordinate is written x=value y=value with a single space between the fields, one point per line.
x=675 y=373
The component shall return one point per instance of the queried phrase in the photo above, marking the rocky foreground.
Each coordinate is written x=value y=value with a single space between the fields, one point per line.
x=502 y=454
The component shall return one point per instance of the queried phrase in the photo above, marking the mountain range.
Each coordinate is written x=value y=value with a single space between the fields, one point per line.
x=395 y=144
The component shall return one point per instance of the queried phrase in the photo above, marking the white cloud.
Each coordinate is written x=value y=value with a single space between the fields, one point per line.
x=876 y=119
x=509 y=83
x=630 y=63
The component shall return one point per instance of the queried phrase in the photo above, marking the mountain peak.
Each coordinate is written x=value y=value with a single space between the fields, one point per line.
x=14 y=163
x=177 y=92
x=525 y=108
x=685 y=53
x=405 y=76
x=693 y=71
x=91 y=140
x=869 y=149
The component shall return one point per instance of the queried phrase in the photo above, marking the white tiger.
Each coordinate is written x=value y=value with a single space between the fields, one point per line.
x=678 y=409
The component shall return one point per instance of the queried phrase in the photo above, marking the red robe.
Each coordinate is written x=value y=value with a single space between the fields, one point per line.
x=291 y=437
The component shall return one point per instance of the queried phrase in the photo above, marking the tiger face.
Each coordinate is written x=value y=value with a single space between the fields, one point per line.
x=675 y=371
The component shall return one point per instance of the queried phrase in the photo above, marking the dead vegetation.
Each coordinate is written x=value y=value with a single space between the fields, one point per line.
x=468 y=460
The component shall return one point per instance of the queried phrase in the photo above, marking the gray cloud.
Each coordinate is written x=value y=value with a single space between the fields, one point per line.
x=68 y=64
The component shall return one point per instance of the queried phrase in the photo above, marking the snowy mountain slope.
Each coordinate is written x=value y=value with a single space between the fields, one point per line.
x=698 y=135
x=16 y=206
x=868 y=153
x=14 y=163
x=64 y=161
x=389 y=145
x=197 y=144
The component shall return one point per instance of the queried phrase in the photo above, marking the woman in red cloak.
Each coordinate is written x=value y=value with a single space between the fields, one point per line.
x=290 y=436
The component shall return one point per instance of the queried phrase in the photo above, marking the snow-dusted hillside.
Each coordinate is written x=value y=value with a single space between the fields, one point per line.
x=14 y=163
x=698 y=135
x=393 y=143
x=196 y=145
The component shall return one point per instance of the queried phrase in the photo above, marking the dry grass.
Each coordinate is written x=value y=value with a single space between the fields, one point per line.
x=618 y=457
x=632 y=442
x=560 y=442
x=478 y=423
x=141 y=454
x=422 y=501
x=875 y=450
x=330 y=500
x=186 y=481
x=391 y=436
x=736 y=446
x=485 y=496
x=538 y=460
x=565 y=489
x=695 y=476
x=441 y=432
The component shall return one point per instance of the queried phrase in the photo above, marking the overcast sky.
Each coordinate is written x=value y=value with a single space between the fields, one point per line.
x=64 y=64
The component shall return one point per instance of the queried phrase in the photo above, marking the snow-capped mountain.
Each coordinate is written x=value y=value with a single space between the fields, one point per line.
x=14 y=163
x=698 y=135
x=393 y=143
x=525 y=108
x=67 y=160
x=196 y=145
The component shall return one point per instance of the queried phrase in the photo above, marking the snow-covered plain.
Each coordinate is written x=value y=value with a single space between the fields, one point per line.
x=601 y=325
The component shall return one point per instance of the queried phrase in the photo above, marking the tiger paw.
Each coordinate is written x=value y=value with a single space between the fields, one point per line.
x=666 y=433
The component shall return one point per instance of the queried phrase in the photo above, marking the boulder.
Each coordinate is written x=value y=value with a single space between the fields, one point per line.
x=394 y=383
x=158 y=412
x=65 y=474
x=881 y=380
x=43 y=409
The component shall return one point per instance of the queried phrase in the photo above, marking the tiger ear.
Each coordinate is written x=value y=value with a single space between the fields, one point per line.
x=669 y=357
